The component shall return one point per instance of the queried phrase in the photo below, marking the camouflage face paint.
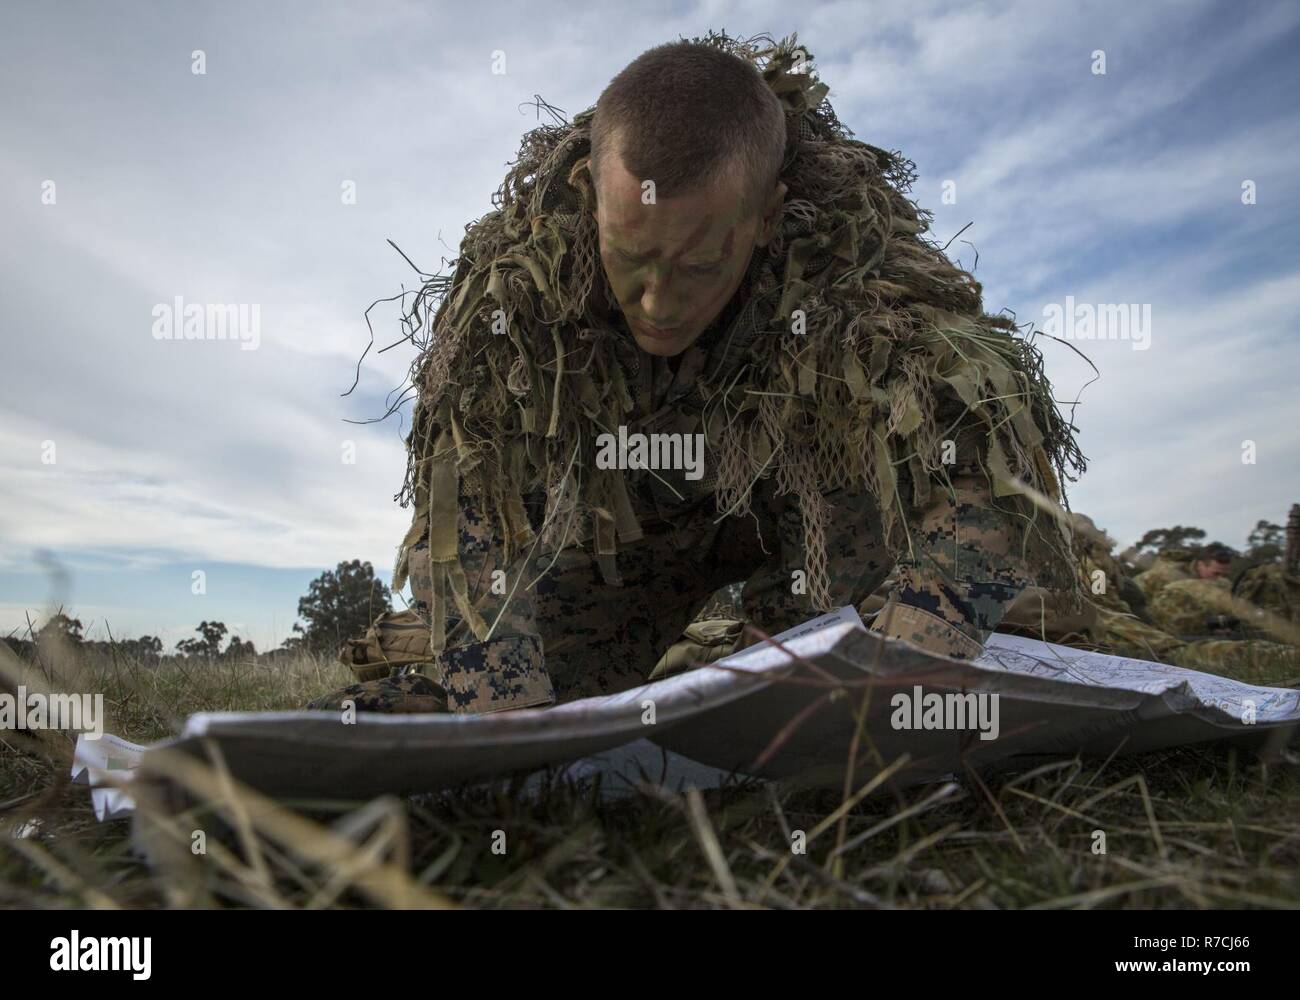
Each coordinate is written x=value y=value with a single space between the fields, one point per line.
x=673 y=264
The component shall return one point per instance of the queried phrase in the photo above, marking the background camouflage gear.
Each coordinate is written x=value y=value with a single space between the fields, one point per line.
x=1193 y=608
x=1117 y=625
x=1270 y=588
x=1166 y=570
x=396 y=639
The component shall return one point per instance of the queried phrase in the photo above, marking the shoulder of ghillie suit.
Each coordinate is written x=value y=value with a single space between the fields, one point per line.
x=862 y=357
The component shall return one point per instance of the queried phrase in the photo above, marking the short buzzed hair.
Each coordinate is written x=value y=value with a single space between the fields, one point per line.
x=1214 y=552
x=683 y=114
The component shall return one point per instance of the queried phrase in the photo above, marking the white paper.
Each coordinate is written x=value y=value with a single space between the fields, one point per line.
x=1029 y=657
x=720 y=719
x=99 y=761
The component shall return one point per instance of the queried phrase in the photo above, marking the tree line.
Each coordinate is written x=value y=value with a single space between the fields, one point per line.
x=339 y=604
x=1265 y=543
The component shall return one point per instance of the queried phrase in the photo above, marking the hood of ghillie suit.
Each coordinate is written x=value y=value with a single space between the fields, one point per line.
x=898 y=357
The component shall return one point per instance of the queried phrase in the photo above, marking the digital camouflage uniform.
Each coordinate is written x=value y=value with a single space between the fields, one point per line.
x=905 y=428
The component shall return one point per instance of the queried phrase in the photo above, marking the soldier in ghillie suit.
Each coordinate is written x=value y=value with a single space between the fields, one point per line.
x=708 y=256
x=1273 y=589
x=1206 y=562
x=1189 y=633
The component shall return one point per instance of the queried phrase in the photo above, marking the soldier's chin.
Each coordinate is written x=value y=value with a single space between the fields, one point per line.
x=663 y=347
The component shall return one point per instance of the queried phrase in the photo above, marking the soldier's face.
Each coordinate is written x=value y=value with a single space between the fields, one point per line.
x=1211 y=570
x=674 y=263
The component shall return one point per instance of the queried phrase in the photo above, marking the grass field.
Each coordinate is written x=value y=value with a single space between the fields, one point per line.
x=1195 y=827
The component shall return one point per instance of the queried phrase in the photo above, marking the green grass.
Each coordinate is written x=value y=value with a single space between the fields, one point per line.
x=1194 y=827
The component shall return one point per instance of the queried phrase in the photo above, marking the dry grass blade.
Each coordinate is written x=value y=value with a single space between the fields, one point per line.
x=384 y=882
x=708 y=839
x=929 y=802
x=61 y=873
x=997 y=807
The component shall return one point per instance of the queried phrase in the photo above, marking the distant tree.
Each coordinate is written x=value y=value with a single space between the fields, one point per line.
x=1161 y=540
x=1266 y=542
x=147 y=647
x=240 y=647
x=340 y=604
x=209 y=642
x=61 y=627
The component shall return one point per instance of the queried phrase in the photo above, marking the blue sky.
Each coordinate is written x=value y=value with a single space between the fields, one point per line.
x=177 y=456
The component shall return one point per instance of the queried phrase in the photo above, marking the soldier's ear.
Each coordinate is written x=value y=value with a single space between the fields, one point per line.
x=771 y=215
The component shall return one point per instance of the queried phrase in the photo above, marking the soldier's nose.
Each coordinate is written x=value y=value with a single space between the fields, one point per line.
x=652 y=311
x=659 y=310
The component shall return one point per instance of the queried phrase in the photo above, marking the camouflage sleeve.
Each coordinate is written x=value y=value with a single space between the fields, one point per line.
x=951 y=592
x=964 y=569
x=505 y=670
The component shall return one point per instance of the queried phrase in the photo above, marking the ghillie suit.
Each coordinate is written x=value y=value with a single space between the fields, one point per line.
x=526 y=359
